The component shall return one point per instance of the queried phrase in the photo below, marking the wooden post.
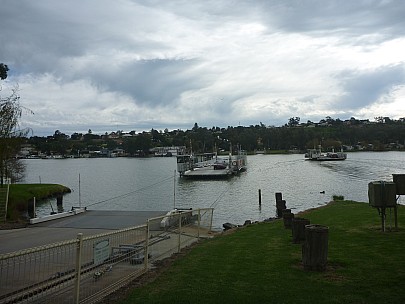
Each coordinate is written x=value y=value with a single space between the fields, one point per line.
x=31 y=208
x=315 y=247
x=287 y=218
x=280 y=206
x=298 y=229
x=59 y=199
x=260 y=197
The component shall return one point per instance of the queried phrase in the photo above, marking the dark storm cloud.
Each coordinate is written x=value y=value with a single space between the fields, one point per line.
x=35 y=37
x=351 y=18
x=151 y=82
x=364 y=88
x=215 y=62
x=41 y=35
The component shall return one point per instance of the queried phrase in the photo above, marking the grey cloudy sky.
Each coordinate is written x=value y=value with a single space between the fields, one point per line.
x=136 y=65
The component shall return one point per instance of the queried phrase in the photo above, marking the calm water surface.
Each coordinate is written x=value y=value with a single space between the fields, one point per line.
x=151 y=184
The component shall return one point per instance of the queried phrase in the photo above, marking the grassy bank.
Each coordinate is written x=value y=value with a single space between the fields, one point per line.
x=260 y=264
x=20 y=194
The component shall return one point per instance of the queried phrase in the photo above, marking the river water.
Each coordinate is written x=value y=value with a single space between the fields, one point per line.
x=152 y=184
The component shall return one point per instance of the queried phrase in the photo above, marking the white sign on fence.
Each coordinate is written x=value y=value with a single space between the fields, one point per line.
x=101 y=251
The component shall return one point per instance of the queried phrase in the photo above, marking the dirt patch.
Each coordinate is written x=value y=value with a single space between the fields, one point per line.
x=329 y=274
x=13 y=225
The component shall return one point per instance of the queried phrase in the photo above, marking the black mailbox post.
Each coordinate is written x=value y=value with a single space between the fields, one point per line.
x=383 y=195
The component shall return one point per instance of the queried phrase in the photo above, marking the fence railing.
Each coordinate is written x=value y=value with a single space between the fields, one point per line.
x=86 y=269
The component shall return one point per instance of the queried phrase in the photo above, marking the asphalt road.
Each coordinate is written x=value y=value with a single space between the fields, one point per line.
x=89 y=223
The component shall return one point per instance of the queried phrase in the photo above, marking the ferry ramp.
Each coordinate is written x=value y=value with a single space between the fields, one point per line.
x=104 y=257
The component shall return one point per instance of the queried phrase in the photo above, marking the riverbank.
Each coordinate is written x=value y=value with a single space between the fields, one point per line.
x=21 y=194
x=260 y=264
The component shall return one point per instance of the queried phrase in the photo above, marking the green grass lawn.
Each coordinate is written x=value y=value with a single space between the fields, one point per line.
x=260 y=264
x=20 y=194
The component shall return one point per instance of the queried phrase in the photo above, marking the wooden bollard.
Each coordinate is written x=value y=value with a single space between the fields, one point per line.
x=59 y=199
x=315 y=247
x=287 y=218
x=260 y=197
x=298 y=229
x=280 y=206
x=31 y=208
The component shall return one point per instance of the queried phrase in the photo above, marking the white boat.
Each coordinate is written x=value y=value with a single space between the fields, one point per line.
x=318 y=155
x=210 y=165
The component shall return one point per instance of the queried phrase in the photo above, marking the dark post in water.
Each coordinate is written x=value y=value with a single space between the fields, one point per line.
x=280 y=204
x=260 y=197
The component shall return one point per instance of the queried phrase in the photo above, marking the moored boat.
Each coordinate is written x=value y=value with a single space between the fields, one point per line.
x=210 y=165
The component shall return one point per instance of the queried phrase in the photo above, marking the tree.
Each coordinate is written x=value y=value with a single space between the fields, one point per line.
x=293 y=121
x=379 y=119
x=10 y=133
x=3 y=71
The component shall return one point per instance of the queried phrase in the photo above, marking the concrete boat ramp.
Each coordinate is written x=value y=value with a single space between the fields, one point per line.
x=89 y=222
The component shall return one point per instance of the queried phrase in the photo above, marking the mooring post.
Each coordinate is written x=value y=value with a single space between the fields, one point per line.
x=59 y=199
x=298 y=229
x=287 y=218
x=280 y=204
x=31 y=208
x=260 y=197
x=315 y=247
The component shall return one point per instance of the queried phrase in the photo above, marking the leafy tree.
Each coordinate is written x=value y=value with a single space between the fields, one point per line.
x=58 y=143
x=293 y=121
x=138 y=145
x=10 y=133
x=179 y=138
x=3 y=71
x=76 y=136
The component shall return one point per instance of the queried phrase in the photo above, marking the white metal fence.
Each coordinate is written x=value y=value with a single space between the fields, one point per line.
x=86 y=269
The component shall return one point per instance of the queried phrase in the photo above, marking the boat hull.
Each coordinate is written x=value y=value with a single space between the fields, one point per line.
x=317 y=155
x=206 y=176
x=326 y=159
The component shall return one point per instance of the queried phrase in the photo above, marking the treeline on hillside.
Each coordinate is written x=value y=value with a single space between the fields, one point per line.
x=384 y=134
